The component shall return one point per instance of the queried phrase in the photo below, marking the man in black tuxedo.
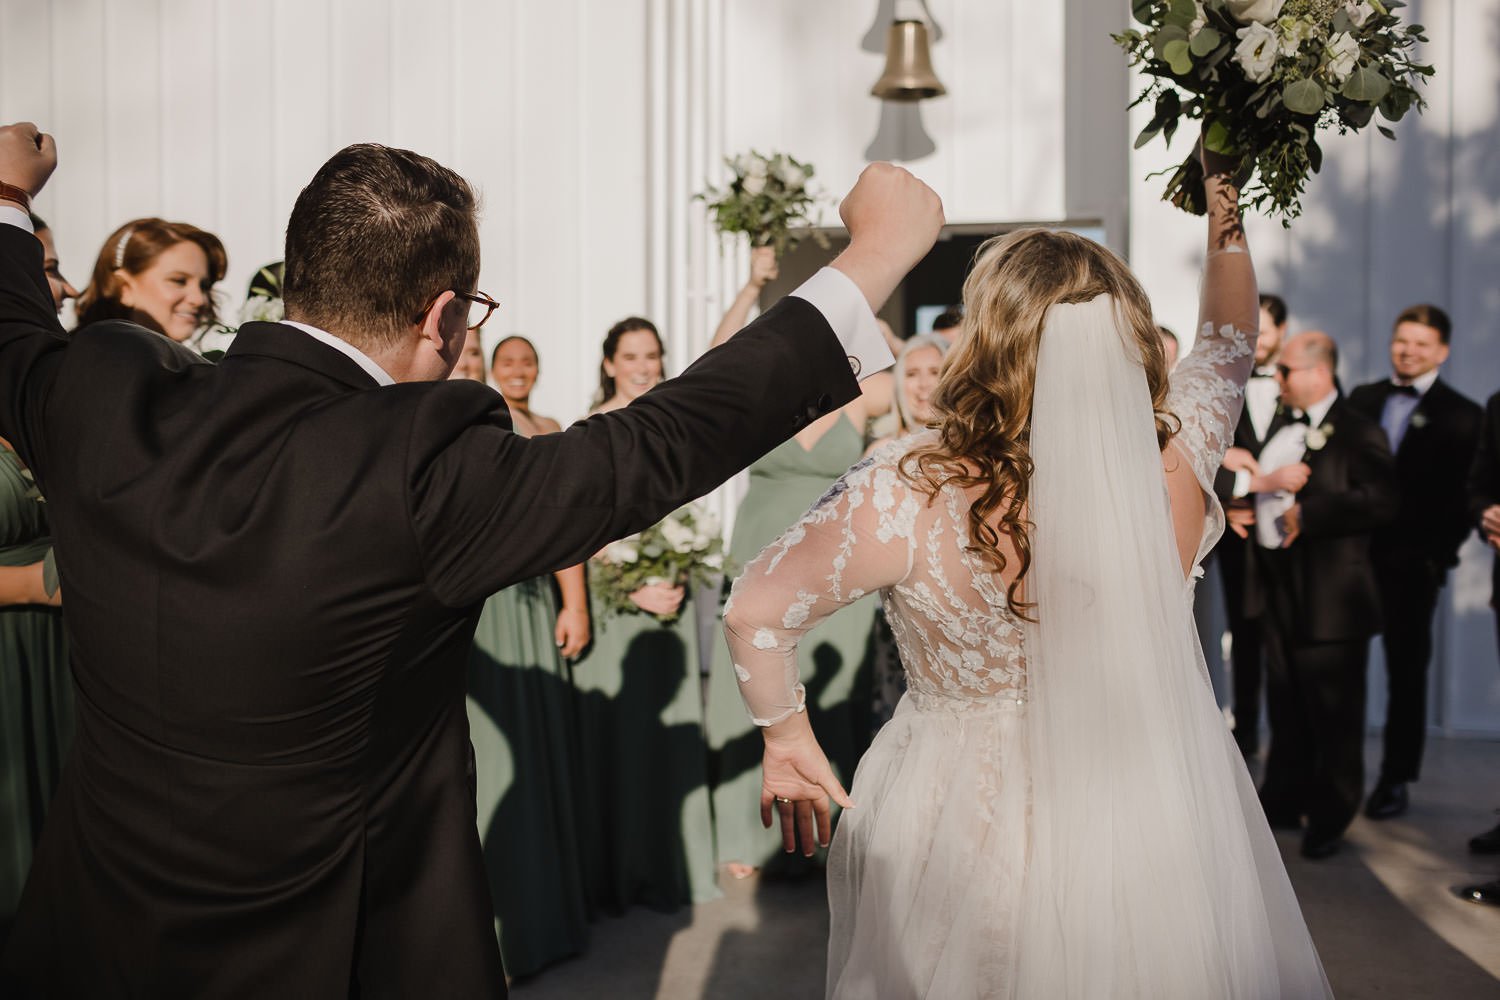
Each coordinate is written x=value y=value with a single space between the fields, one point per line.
x=274 y=566
x=1236 y=486
x=1484 y=513
x=1432 y=430
x=1319 y=594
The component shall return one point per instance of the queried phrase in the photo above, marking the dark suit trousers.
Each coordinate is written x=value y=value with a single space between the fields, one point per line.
x=1409 y=588
x=1245 y=642
x=1315 y=700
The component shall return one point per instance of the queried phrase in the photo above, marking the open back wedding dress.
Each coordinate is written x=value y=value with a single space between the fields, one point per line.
x=1057 y=809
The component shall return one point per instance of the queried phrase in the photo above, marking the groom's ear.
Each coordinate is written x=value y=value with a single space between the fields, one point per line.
x=432 y=323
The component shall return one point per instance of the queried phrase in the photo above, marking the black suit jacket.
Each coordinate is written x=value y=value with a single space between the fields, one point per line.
x=272 y=569
x=1432 y=467
x=1484 y=479
x=1350 y=493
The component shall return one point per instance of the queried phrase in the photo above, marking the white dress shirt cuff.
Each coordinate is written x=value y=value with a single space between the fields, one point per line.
x=1241 y=484
x=843 y=305
x=13 y=216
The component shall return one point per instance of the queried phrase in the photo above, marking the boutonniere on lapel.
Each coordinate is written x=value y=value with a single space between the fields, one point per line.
x=1418 y=419
x=1317 y=437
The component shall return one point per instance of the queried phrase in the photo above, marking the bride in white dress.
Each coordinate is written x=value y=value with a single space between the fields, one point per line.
x=1057 y=809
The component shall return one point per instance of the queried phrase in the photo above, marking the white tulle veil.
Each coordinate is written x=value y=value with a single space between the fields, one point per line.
x=1151 y=870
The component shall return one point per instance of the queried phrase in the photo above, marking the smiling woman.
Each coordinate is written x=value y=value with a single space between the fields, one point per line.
x=158 y=274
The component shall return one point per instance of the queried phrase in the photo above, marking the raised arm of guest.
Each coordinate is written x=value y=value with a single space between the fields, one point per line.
x=763 y=270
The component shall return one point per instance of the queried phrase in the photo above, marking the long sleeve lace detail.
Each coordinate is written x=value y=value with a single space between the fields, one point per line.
x=856 y=540
x=1208 y=386
x=959 y=643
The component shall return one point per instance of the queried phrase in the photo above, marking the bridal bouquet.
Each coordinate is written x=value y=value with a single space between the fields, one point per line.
x=684 y=548
x=765 y=198
x=1265 y=76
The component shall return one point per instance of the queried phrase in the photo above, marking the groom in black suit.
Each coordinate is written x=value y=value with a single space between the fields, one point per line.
x=1319 y=594
x=272 y=569
x=1433 y=431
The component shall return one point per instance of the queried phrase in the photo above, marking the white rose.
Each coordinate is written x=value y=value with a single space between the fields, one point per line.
x=1359 y=13
x=1254 y=11
x=1256 y=52
x=758 y=168
x=754 y=184
x=1343 y=56
x=791 y=175
x=622 y=553
x=678 y=535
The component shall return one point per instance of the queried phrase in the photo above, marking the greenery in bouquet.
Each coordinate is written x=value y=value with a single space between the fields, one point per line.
x=766 y=198
x=685 y=548
x=1264 y=77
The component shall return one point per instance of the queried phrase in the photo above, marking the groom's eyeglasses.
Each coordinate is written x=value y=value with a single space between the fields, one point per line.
x=481 y=308
x=1285 y=371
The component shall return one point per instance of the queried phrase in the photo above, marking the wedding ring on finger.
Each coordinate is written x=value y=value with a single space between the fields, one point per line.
x=783 y=801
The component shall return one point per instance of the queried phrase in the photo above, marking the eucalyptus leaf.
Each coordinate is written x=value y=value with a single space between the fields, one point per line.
x=1166 y=36
x=1340 y=23
x=1366 y=84
x=1303 y=97
x=1182 y=13
x=1148 y=133
x=1315 y=156
x=1205 y=41
x=1216 y=138
x=1141 y=10
x=1386 y=132
x=1176 y=54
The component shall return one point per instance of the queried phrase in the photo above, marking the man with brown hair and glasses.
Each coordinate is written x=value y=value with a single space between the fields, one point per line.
x=274 y=566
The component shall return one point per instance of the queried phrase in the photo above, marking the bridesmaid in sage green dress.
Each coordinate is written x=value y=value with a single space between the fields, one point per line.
x=647 y=830
x=522 y=725
x=36 y=686
x=837 y=656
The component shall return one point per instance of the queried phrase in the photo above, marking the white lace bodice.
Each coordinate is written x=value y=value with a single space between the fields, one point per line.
x=873 y=531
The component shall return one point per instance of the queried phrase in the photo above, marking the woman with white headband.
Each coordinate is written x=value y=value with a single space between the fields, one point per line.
x=1057 y=808
x=158 y=274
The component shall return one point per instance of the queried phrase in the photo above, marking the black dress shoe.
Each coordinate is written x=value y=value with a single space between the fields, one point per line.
x=1387 y=801
x=1486 y=843
x=1316 y=847
x=1487 y=893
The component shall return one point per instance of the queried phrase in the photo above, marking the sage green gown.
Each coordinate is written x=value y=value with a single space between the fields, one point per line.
x=521 y=722
x=36 y=689
x=836 y=658
x=646 y=826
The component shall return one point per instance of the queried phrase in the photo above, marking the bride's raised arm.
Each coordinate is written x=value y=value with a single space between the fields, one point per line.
x=1208 y=385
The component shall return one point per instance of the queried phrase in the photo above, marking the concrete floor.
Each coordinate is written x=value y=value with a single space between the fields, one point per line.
x=1381 y=913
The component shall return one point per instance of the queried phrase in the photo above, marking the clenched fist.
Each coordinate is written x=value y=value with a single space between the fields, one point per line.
x=893 y=220
x=27 y=156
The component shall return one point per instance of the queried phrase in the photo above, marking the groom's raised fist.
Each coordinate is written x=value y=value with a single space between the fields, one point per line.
x=893 y=220
x=27 y=156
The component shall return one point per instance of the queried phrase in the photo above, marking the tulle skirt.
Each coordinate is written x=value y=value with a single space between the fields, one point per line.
x=925 y=873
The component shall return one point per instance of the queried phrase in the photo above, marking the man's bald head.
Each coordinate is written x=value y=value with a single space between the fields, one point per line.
x=1308 y=363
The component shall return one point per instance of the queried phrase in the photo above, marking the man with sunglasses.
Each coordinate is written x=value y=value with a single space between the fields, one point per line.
x=1317 y=592
x=274 y=566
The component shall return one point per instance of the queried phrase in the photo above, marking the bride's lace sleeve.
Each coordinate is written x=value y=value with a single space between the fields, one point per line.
x=1207 y=387
x=854 y=541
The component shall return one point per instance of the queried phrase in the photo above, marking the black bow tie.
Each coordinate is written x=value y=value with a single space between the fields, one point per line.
x=1299 y=418
x=1263 y=373
x=1404 y=390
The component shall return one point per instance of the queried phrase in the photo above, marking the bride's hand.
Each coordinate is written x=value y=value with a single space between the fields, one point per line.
x=798 y=782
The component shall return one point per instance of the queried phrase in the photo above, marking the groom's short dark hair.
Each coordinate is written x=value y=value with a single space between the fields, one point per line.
x=376 y=235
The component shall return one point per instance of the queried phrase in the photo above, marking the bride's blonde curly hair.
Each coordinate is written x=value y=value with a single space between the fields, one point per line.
x=982 y=406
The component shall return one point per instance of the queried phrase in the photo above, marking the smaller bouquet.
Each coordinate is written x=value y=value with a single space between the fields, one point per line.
x=685 y=548
x=765 y=198
x=1265 y=76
